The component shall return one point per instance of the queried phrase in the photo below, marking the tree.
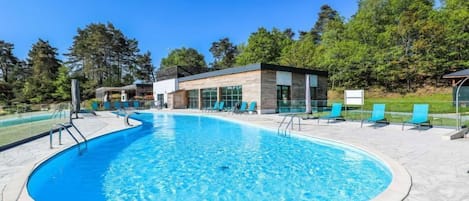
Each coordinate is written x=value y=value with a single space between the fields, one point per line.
x=146 y=70
x=456 y=15
x=187 y=57
x=324 y=16
x=45 y=67
x=101 y=54
x=300 y=53
x=224 y=53
x=7 y=60
x=20 y=74
x=8 y=64
x=265 y=46
x=62 y=84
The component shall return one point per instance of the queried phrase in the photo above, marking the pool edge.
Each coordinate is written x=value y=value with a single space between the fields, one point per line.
x=17 y=190
x=398 y=189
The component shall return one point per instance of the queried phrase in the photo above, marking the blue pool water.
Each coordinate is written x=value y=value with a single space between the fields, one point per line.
x=179 y=157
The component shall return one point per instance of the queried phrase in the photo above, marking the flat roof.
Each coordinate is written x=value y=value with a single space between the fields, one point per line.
x=253 y=67
x=457 y=74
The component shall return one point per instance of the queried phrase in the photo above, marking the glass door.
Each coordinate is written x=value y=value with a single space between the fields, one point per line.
x=283 y=98
x=159 y=100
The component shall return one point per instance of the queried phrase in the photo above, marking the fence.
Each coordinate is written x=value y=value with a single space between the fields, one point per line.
x=23 y=122
x=441 y=113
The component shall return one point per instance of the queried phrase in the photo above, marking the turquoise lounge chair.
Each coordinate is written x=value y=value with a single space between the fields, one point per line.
x=117 y=105
x=336 y=113
x=377 y=115
x=215 y=107
x=107 y=106
x=252 y=107
x=242 y=108
x=94 y=106
x=125 y=105
x=419 y=116
x=136 y=105
x=221 y=106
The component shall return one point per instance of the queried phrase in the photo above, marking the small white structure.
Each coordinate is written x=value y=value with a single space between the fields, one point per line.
x=354 y=97
x=123 y=96
x=162 y=88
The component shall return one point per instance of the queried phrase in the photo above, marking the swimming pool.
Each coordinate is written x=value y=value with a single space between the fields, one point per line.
x=183 y=157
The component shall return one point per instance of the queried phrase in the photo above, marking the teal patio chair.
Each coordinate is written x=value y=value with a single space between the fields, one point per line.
x=107 y=105
x=419 y=116
x=125 y=105
x=242 y=108
x=117 y=105
x=136 y=105
x=335 y=114
x=94 y=106
x=214 y=108
x=221 y=106
x=252 y=107
x=377 y=115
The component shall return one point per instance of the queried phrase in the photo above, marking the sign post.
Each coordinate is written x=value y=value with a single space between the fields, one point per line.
x=354 y=97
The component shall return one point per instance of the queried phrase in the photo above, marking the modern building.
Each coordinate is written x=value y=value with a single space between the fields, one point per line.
x=167 y=81
x=274 y=88
x=128 y=92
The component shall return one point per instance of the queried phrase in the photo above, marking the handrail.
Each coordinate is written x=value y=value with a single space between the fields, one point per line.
x=126 y=118
x=281 y=123
x=290 y=124
x=66 y=127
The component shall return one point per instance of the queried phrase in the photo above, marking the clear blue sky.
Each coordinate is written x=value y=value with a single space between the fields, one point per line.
x=158 y=25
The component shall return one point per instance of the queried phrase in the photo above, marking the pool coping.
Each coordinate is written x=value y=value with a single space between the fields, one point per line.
x=17 y=188
x=398 y=189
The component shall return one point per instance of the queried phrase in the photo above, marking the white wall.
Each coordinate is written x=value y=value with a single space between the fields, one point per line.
x=164 y=87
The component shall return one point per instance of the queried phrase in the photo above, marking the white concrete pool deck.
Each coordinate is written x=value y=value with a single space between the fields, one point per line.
x=439 y=168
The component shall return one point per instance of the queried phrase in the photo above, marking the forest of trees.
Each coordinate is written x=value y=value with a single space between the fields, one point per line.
x=396 y=45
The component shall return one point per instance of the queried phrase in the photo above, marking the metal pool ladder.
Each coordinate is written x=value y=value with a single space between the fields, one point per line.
x=288 y=122
x=60 y=127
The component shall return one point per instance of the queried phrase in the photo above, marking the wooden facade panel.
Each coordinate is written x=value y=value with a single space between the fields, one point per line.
x=268 y=91
x=258 y=85
x=250 y=82
x=298 y=86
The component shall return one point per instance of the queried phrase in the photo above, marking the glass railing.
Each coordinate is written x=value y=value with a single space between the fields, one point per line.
x=24 y=122
x=118 y=105
x=441 y=113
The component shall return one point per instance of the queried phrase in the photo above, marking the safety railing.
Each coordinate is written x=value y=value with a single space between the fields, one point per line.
x=287 y=124
x=61 y=127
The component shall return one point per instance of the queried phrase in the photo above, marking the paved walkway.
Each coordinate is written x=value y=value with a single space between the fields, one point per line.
x=438 y=167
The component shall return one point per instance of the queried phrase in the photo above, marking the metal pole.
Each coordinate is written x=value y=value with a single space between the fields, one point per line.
x=458 y=116
x=307 y=94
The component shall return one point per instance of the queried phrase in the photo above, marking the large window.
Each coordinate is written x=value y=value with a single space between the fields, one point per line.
x=231 y=95
x=209 y=97
x=193 y=96
x=283 y=98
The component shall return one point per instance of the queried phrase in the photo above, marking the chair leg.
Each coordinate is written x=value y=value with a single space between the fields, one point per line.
x=361 y=126
x=403 y=123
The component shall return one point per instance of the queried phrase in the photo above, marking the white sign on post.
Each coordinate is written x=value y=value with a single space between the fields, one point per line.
x=354 y=97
